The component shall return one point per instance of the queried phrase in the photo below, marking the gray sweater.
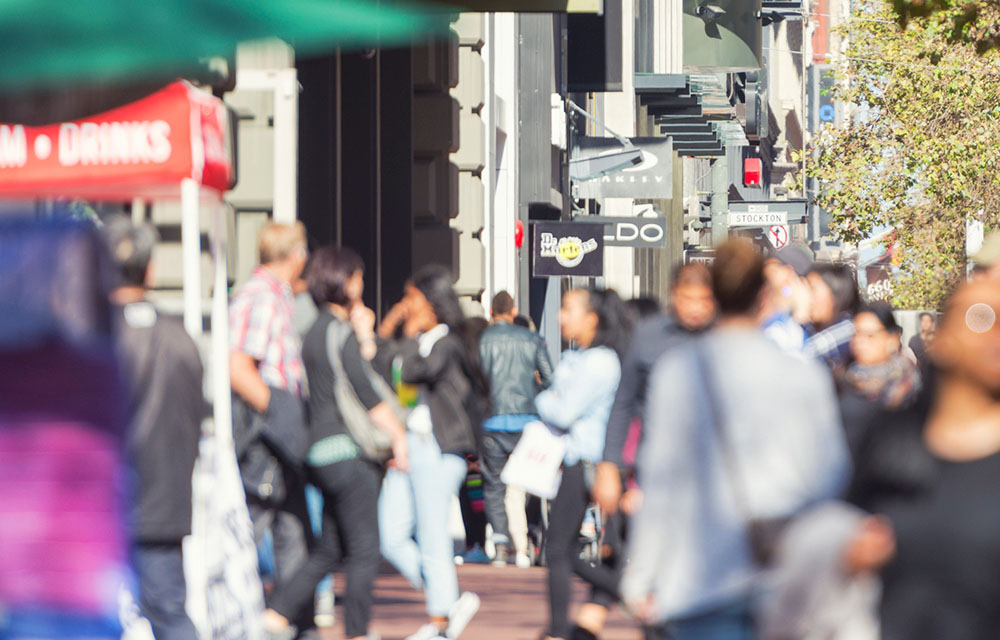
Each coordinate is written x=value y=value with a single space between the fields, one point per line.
x=688 y=547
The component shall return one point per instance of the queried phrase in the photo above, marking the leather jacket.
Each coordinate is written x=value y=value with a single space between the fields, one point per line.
x=457 y=408
x=510 y=356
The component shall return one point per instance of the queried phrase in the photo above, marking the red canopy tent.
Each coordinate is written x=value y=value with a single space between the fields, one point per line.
x=170 y=144
x=143 y=149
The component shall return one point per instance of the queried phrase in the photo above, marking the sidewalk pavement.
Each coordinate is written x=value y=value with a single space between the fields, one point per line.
x=514 y=606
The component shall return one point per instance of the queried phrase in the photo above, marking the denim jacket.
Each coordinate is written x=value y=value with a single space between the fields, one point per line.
x=579 y=400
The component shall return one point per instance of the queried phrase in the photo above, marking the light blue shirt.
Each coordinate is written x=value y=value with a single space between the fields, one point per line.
x=579 y=400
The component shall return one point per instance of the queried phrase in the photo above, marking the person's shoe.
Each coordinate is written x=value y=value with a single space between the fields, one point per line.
x=276 y=627
x=501 y=555
x=429 y=631
x=588 y=529
x=324 y=616
x=475 y=555
x=288 y=633
x=522 y=561
x=461 y=614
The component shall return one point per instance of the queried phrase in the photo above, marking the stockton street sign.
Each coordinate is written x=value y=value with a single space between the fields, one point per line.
x=766 y=213
x=765 y=219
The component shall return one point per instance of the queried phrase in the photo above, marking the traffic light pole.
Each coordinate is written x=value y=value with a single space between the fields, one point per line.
x=720 y=200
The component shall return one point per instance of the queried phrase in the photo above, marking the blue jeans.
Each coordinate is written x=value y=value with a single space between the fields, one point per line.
x=314 y=499
x=162 y=591
x=730 y=622
x=418 y=503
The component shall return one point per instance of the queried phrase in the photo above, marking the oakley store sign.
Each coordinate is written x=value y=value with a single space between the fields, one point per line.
x=607 y=168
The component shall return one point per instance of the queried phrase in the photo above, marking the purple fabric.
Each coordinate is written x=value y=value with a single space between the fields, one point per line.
x=63 y=540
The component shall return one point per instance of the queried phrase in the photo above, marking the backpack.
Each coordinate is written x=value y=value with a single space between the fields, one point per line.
x=374 y=443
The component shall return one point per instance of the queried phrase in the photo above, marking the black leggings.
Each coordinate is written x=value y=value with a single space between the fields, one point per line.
x=350 y=536
x=562 y=545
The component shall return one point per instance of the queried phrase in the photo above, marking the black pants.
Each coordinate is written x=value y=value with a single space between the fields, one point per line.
x=350 y=537
x=162 y=591
x=562 y=545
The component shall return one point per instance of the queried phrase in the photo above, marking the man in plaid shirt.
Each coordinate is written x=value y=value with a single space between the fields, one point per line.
x=268 y=381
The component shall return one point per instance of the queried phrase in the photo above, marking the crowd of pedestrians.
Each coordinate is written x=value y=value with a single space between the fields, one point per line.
x=764 y=423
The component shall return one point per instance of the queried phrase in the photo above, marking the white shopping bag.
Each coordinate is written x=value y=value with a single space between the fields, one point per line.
x=225 y=600
x=534 y=465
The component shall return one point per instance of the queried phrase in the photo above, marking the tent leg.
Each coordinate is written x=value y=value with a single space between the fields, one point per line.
x=191 y=251
x=221 y=398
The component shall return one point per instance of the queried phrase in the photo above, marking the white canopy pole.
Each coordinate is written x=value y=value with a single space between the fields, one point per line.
x=191 y=252
x=221 y=398
x=286 y=137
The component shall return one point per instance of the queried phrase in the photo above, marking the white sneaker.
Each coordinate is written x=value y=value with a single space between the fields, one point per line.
x=461 y=614
x=522 y=561
x=325 y=616
x=427 y=632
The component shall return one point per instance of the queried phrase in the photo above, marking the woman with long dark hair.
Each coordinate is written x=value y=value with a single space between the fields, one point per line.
x=835 y=300
x=596 y=324
x=348 y=480
x=438 y=357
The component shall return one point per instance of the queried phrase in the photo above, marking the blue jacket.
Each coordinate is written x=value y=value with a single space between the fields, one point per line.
x=579 y=400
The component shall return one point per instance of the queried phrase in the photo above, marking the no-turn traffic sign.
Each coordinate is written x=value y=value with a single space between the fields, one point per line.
x=778 y=235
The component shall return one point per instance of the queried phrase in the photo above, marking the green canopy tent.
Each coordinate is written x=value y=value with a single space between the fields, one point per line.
x=55 y=43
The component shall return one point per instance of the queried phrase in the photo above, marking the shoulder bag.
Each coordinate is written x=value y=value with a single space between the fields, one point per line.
x=763 y=534
x=374 y=443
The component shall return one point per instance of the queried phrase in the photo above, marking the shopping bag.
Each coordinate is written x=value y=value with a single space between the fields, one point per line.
x=225 y=600
x=534 y=465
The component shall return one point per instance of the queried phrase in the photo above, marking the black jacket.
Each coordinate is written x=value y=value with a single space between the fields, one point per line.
x=651 y=339
x=164 y=373
x=270 y=447
x=510 y=356
x=457 y=407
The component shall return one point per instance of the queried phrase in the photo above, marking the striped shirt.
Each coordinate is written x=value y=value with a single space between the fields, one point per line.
x=833 y=344
x=261 y=325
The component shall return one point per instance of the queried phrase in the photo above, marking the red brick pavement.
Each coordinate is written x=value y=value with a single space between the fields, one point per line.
x=514 y=606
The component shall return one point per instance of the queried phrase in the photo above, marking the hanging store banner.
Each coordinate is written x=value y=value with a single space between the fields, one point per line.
x=567 y=249
x=605 y=168
x=879 y=287
x=139 y=150
x=703 y=256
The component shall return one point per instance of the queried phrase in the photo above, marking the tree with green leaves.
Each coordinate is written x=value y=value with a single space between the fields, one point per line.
x=919 y=148
x=973 y=21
